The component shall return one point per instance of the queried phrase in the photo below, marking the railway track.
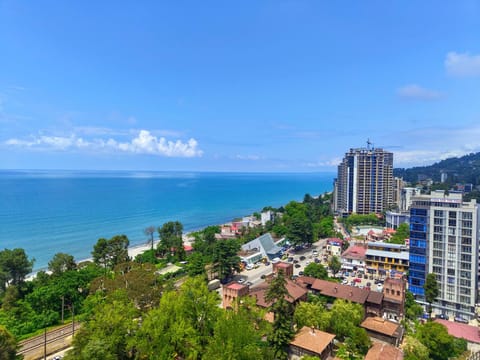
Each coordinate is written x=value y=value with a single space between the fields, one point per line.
x=34 y=348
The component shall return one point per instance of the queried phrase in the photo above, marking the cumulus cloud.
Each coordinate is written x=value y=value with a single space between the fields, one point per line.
x=416 y=92
x=143 y=143
x=462 y=64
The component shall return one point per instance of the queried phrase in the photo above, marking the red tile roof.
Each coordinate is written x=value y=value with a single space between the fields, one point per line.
x=380 y=325
x=295 y=291
x=312 y=340
x=339 y=291
x=355 y=252
x=235 y=286
x=467 y=332
x=383 y=351
x=375 y=297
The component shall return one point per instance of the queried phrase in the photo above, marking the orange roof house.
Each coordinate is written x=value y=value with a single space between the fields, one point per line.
x=312 y=342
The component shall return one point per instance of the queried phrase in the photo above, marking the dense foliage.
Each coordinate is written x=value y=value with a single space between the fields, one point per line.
x=465 y=169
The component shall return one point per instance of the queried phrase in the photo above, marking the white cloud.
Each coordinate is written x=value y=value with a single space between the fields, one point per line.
x=462 y=65
x=248 y=157
x=328 y=163
x=416 y=92
x=143 y=143
x=428 y=145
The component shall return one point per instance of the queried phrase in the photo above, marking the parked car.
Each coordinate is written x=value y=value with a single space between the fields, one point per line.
x=249 y=267
x=345 y=282
x=441 y=316
x=302 y=258
x=298 y=266
x=300 y=273
x=317 y=260
x=290 y=259
x=461 y=320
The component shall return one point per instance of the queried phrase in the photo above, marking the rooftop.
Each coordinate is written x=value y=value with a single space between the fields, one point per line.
x=375 y=297
x=339 y=291
x=235 y=286
x=402 y=255
x=381 y=351
x=294 y=290
x=355 y=252
x=458 y=330
x=381 y=326
x=312 y=339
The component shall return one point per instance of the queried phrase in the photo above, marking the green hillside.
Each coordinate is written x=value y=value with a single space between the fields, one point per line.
x=465 y=169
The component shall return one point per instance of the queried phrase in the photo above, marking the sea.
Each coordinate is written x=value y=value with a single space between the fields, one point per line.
x=46 y=212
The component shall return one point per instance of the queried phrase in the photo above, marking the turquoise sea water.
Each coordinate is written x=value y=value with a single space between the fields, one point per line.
x=46 y=212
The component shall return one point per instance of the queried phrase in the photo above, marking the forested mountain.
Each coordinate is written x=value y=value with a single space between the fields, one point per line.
x=465 y=169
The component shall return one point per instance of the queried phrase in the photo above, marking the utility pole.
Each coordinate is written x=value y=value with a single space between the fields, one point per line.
x=63 y=306
x=45 y=343
x=73 y=320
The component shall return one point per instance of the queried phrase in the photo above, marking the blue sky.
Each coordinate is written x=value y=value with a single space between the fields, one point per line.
x=236 y=86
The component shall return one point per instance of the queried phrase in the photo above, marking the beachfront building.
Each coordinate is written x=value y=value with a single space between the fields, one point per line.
x=262 y=247
x=365 y=182
x=387 y=259
x=444 y=238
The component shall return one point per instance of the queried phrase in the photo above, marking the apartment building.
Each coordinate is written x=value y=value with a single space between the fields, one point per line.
x=365 y=182
x=385 y=258
x=444 y=238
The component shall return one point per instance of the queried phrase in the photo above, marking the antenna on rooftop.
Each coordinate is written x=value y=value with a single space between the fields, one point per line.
x=369 y=145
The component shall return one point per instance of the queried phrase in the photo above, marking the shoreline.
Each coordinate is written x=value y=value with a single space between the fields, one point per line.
x=133 y=251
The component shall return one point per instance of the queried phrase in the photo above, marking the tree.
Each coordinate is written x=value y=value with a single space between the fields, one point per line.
x=149 y=231
x=106 y=334
x=182 y=326
x=61 y=262
x=282 y=329
x=413 y=310
x=108 y=253
x=431 y=291
x=299 y=225
x=441 y=345
x=225 y=258
x=402 y=233
x=311 y=314
x=14 y=266
x=413 y=349
x=171 y=241
x=8 y=345
x=335 y=265
x=315 y=270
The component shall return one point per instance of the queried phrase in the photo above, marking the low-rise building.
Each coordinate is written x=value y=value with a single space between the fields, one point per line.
x=382 y=351
x=394 y=219
x=383 y=330
x=287 y=268
x=296 y=293
x=386 y=258
x=394 y=298
x=257 y=249
x=354 y=258
x=334 y=246
x=463 y=331
x=231 y=292
x=311 y=342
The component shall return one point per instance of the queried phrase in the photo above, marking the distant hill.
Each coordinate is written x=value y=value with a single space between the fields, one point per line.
x=465 y=169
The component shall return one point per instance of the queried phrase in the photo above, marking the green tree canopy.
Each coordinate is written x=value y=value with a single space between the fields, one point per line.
x=315 y=270
x=14 y=266
x=402 y=233
x=61 y=262
x=440 y=344
x=171 y=241
x=282 y=329
x=431 y=290
x=108 y=253
x=8 y=345
x=225 y=258
x=335 y=264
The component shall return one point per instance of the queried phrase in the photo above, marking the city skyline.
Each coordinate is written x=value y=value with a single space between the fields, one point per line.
x=270 y=86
